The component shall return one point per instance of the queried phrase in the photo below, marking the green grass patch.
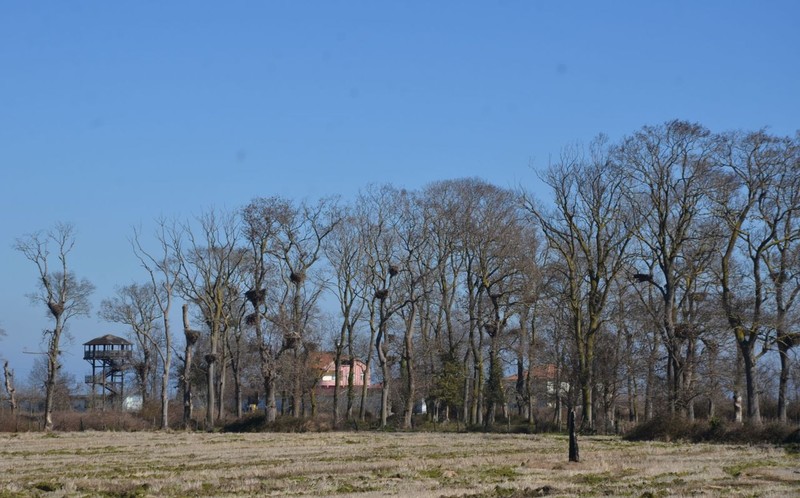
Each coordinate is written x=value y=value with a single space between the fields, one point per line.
x=738 y=469
x=432 y=473
x=501 y=472
x=347 y=488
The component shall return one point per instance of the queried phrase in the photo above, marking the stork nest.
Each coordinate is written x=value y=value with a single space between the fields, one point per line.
x=393 y=270
x=381 y=294
x=210 y=358
x=192 y=336
x=642 y=277
x=251 y=319
x=291 y=341
x=789 y=340
x=684 y=330
x=297 y=278
x=256 y=296
x=57 y=309
x=699 y=296
x=779 y=277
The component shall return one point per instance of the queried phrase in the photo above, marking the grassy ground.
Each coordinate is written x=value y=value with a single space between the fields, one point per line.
x=379 y=464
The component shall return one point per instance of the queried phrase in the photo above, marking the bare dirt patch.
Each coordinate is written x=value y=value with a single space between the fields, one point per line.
x=129 y=464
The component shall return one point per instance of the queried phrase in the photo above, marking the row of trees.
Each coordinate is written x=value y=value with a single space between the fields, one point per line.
x=658 y=271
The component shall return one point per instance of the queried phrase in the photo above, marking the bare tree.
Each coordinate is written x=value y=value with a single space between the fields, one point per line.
x=190 y=341
x=136 y=306
x=234 y=334
x=378 y=217
x=753 y=161
x=671 y=175
x=209 y=264
x=415 y=270
x=442 y=204
x=495 y=270
x=260 y=221
x=345 y=253
x=63 y=387
x=60 y=290
x=780 y=212
x=297 y=245
x=163 y=269
x=590 y=228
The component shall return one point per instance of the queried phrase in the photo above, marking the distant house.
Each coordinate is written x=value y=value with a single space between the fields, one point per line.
x=324 y=363
x=545 y=379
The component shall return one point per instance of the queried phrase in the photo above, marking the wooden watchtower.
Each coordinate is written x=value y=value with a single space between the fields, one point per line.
x=109 y=356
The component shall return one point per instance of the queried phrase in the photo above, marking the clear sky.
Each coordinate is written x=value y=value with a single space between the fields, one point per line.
x=113 y=113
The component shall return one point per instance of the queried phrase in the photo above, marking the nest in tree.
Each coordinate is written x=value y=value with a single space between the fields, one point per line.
x=789 y=340
x=642 y=277
x=297 y=278
x=211 y=358
x=491 y=329
x=393 y=270
x=256 y=296
x=699 y=296
x=683 y=330
x=381 y=294
x=192 y=336
x=56 y=308
x=779 y=276
x=251 y=319
x=290 y=341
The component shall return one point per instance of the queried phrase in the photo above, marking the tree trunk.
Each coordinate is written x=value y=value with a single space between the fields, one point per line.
x=221 y=385
x=211 y=381
x=408 y=346
x=297 y=386
x=494 y=388
x=351 y=388
x=386 y=372
x=191 y=338
x=650 y=387
x=297 y=383
x=337 y=362
x=753 y=408
x=383 y=362
x=270 y=403
x=783 y=351
x=9 y=381
x=586 y=361
x=362 y=409
x=165 y=392
x=52 y=370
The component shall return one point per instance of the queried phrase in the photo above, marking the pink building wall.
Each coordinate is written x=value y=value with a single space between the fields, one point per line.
x=360 y=376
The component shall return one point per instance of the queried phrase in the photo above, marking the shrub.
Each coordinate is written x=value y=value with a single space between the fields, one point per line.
x=659 y=429
x=258 y=423
x=99 y=421
x=714 y=431
x=19 y=422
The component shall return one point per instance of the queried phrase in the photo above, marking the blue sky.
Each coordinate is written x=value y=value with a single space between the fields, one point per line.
x=114 y=113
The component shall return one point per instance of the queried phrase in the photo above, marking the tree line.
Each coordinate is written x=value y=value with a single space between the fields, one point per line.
x=652 y=275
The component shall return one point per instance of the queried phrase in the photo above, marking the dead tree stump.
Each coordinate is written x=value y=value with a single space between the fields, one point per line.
x=573 y=439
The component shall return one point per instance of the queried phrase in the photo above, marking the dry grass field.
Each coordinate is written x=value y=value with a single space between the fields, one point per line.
x=379 y=464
